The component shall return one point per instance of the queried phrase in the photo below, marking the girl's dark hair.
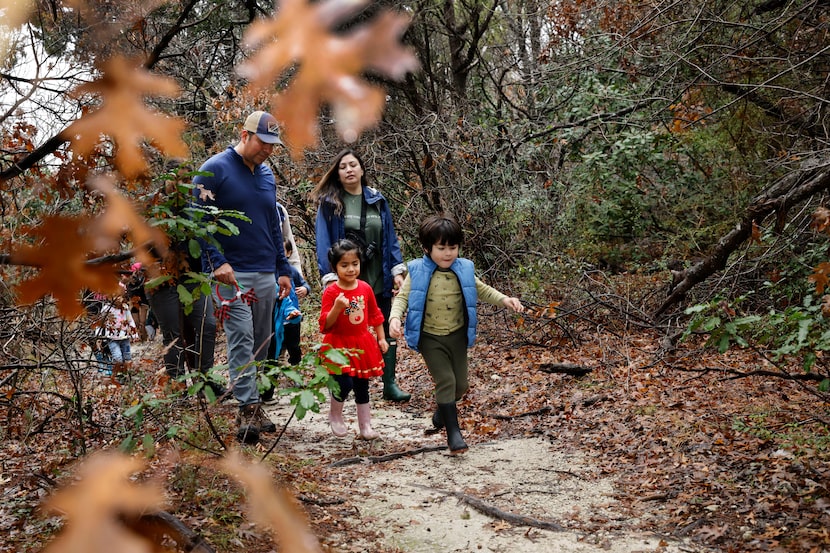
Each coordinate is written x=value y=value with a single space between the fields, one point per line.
x=339 y=249
x=440 y=229
x=330 y=189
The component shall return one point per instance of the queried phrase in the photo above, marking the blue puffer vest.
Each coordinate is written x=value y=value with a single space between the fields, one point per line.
x=420 y=273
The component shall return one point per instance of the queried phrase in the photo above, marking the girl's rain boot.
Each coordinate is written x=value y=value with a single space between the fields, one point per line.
x=364 y=422
x=338 y=425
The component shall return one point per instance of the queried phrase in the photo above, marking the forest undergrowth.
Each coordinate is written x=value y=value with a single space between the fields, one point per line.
x=698 y=451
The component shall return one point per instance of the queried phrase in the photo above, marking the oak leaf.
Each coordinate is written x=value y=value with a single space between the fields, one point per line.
x=120 y=219
x=821 y=219
x=820 y=276
x=93 y=507
x=330 y=66
x=63 y=246
x=273 y=507
x=124 y=117
x=60 y=254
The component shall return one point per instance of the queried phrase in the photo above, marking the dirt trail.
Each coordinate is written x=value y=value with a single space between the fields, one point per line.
x=425 y=503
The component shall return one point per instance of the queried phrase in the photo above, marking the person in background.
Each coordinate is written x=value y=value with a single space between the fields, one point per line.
x=291 y=340
x=287 y=329
x=137 y=298
x=246 y=264
x=441 y=292
x=187 y=334
x=288 y=238
x=151 y=325
x=347 y=310
x=347 y=207
x=118 y=328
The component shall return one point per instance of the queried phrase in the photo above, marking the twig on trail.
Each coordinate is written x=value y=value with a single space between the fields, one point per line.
x=387 y=457
x=203 y=407
x=545 y=409
x=320 y=502
x=494 y=512
x=565 y=472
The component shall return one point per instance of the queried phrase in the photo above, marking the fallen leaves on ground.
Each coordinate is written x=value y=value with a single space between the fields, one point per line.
x=732 y=464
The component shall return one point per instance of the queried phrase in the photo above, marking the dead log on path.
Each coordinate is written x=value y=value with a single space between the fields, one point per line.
x=495 y=512
x=778 y=198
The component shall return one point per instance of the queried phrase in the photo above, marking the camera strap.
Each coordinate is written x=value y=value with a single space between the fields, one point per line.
x=362 y=214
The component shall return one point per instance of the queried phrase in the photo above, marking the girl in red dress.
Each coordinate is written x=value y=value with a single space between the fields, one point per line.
x=348 y=310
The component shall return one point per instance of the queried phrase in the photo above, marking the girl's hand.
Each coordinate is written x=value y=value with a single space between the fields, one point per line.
x=514 y=304
x=384 y=345
x=294 y=314
x=341 y=302
x=395 y=328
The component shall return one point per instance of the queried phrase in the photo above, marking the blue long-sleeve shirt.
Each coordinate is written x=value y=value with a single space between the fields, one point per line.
x=258 y=247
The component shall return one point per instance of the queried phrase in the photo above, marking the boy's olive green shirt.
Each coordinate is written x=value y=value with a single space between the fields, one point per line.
x=444 y=311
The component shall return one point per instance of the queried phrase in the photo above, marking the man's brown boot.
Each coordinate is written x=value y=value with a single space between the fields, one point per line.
x=265 y=424
x=248 y=424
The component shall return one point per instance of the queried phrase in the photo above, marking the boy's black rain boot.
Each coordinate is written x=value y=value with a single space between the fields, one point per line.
x=391 y=391
x=449 y=413
x=437 y=421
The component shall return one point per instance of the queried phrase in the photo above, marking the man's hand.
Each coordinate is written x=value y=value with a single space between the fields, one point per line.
x=285 y=286
x=301 y=292
x=224 y=274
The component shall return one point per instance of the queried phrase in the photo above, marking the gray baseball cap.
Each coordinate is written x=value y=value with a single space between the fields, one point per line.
x=265 y=126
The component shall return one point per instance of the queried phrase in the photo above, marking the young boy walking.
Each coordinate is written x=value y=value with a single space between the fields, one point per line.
x=441 y=292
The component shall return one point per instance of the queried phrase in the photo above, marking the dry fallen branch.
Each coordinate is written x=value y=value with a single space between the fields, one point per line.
x=387 y=457
x=494 y=512
x=778 y=199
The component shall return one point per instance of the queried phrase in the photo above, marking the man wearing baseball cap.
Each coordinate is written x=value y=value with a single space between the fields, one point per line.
x=248 y=261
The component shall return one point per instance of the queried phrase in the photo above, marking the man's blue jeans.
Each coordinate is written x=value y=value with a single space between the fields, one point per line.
x=248 y=331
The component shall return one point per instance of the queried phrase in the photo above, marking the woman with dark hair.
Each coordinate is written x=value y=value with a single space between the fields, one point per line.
x=347 y=207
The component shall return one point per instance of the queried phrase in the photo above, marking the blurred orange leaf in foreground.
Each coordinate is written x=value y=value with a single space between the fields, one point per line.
x=124 y=117
x=63 y=245
x=61 y=254
x=272 y=507
x=94 y=506
x=331 y=65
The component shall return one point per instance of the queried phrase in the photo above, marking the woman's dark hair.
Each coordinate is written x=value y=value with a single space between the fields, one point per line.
x=339 y=249
x=440 y=229
x=330 y=188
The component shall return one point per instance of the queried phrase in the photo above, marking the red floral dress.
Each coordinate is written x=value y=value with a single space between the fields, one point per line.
x=351 y=329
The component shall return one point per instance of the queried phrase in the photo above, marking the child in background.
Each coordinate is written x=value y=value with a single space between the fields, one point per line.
x=441 y=292
x=287 y=319
x=348 y=310
x=292 y=316
x=118 y=327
